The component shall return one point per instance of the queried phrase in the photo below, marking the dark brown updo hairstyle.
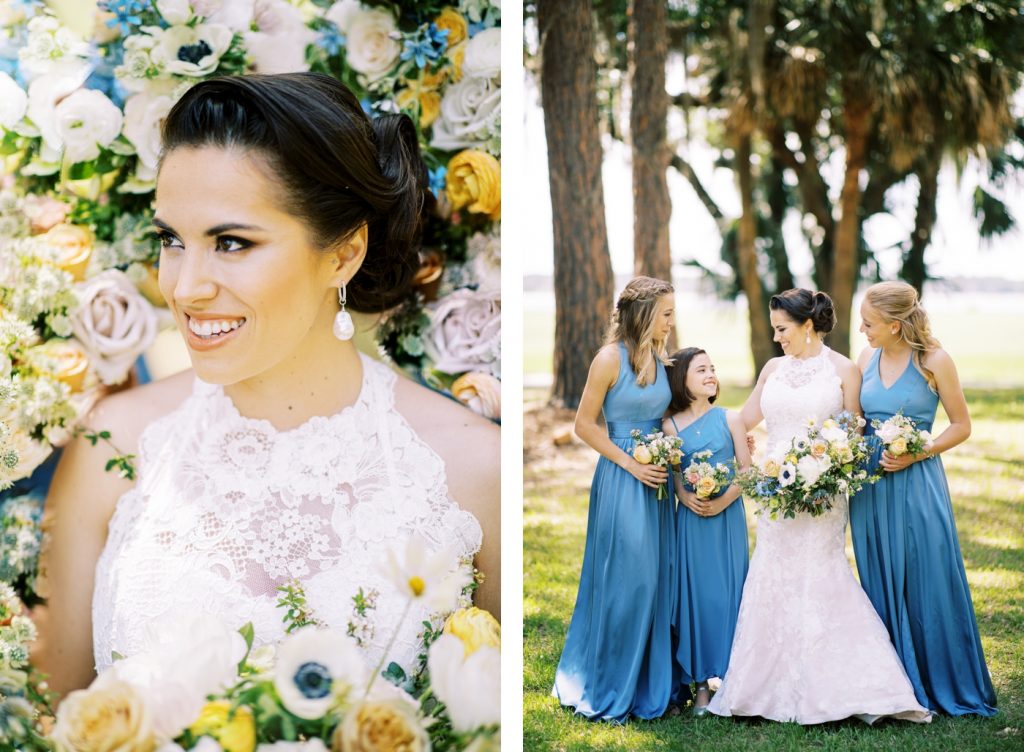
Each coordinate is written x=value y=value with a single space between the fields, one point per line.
x=682 y=398
x=338 y=168
x=802 y=305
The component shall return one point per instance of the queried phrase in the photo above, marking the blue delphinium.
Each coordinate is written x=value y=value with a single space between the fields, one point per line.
x=426 y=45
x=127 y=13
x=438 y=178
x=331 y=40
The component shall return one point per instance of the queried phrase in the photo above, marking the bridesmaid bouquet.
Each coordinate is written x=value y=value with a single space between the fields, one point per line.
x=657 y=449
x=824 y=462
x=899 y=435
x=705 y=479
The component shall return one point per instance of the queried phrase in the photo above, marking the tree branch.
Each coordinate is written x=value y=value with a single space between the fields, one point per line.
x=687 y=171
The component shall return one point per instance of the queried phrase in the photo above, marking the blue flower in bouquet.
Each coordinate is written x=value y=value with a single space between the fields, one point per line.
x=426 y=45
x=318 y=670
x=438 y=178
x=331 y=40
x=127 y=13
x=313 y=680
x=765 y=488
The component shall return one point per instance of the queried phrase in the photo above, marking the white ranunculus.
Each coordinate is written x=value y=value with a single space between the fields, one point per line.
x=810 y=470
x=470 y=110
x=483 y=55
x=45 y=92
x=469 y=686
x=372 y=47
x=174 y=12
x=315 y=667
x=86 y=120
x=465 y=332
x=342 y=13
x=13 y=102
x=144 y=114
x=114 y=323
x=188 y=51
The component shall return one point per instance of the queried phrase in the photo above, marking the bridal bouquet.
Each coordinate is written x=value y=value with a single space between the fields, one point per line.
x=705 y=479
x=899 y=435
x=201 y=686
x=821 y=463
x=657 y=449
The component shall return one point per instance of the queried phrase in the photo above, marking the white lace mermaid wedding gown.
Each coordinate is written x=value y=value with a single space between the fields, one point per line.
x=808 y=645
x=226 y=509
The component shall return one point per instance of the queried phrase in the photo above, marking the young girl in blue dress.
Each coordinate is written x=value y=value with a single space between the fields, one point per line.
x=904 y=534
x=711 y=534
x=617 y=658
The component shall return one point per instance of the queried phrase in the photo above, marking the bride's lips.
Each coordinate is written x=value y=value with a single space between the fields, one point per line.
x=203 y=343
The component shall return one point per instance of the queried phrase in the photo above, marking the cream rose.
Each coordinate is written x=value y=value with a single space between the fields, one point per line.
x=483 y=55
x=469 y=686
x=144 y=115
x=465 y=332
x=74 y=245
x=898 y=447
x=480 y=392
x=705 y=487
x=86 y=120
x=110 y=715
x=381 y=724
x=114 y=323
x=642 y=454
x=13 y=102
x=470 y=112
x=372 y=48
x=66 y=361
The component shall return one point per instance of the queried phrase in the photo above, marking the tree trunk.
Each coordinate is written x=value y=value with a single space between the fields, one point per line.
x=760 y=330
x=648 y=115
x=914 y=270
x=845 y=259
x=584 y=285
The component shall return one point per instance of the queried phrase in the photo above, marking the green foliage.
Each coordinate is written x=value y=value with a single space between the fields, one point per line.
x=123 y=463
x=298 y=613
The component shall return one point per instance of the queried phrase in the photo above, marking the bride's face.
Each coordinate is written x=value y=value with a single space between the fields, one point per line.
x=244 y=283
x=701 y=380
x=788 y=333
x=875 y=329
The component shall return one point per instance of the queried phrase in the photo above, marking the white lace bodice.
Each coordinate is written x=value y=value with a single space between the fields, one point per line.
x=227 y=508
x=797 y=390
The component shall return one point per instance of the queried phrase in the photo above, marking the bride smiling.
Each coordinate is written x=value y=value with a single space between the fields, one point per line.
x=287 y=454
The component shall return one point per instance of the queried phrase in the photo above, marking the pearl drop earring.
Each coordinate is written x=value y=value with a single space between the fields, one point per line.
x=807 y=339
x=343 y=326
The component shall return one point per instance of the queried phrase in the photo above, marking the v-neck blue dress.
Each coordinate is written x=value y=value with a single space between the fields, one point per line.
x=909 y=560
x=617 y=659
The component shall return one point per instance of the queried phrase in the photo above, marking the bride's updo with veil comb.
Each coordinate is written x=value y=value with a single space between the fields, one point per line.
x=802 y=305
x=633 y=324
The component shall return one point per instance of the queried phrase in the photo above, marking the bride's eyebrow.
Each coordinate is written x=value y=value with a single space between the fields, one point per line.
x=213 y=231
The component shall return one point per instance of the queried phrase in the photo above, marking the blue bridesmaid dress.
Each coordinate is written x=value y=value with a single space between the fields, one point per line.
x=617 y=659
x=909 y=560
x=713 y=559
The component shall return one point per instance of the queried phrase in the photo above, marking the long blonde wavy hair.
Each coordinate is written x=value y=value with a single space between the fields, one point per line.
x=633 y=325
x=898 y=301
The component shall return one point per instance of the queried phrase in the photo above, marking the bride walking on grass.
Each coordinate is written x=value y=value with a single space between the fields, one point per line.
x=809 y=648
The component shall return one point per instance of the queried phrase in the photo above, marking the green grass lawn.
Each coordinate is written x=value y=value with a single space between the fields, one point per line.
x=986 y=478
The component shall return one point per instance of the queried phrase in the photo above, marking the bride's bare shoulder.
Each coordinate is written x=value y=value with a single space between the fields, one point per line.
x=126 y=414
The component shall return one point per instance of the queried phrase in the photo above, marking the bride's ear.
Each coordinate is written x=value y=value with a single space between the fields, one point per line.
x=349 y=255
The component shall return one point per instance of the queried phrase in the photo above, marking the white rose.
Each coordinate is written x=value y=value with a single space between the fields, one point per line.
x=470 y=110
x=114 y=323
x=188 y=51
x=372 y=48
x=810 y=470
x=86 y=120
x=174 y=12
x=465 y=333
x=469 y=686
x=833 y=434
x=13 y=102
x=483 y=55
x=888 y=432
x=144 y=114
x=342 y=13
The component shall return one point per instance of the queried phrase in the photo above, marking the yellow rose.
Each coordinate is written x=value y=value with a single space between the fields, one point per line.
x=481 y=392
x=475 y=627
x=381 y=724
x=236 y=733
x=73 y=244
x=898 y=447
x=642 y=454
x=144 y=277
x=771 y=468
x=675 y=456
x=474 y=182
x=110 y=716
x=705 y=487
x=819 y=447
x=458 y=28
x=67 y=361
x=429 y=103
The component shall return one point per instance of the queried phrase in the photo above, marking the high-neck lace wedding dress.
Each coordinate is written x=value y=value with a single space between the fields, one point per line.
x=808 y=645
x=226 y=509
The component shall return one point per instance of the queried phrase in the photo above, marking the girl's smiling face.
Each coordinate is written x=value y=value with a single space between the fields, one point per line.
x=701 y=380
x=248 y=290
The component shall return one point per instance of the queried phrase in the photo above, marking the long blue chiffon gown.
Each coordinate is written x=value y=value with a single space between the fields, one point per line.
x=910 y=565
x=713 y=559
x=617 y=659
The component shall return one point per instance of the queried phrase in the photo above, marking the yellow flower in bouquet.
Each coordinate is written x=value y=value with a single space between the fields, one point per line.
x=109 y=715
x=381 y=724
x=898 y=447
x=74 y=245
x=771 y=468
x=66 y=361
x=474 y=182
x=819 y=447
x=475 y=627
x=457 y=54
x=236 y=733
x=458 y=27
x=642 y=455
x=429 y=103
x=706 y=486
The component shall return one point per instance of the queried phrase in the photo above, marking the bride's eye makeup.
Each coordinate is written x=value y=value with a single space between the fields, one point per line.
x=168 y=240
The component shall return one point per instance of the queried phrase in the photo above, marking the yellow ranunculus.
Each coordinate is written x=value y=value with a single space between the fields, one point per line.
x=74 y=244
x=457 y=54
x=429 y=103
x=67 y=362
x=236 y=733
x=898 y=447
x=109 y=716
x=475 y=627
x=474 y=182
x=642 y=454
x=458 y=27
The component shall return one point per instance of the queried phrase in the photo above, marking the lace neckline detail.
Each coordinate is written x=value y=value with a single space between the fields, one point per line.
x=797 y=372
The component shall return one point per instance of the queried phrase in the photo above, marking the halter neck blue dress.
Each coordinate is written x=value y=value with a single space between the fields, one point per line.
x=617 y=659
x=909 y=560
